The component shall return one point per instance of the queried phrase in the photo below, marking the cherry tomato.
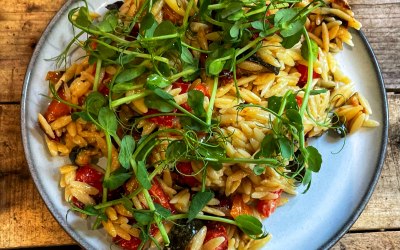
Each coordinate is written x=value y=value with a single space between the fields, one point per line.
x=239 y=207
x=299 y=101
x=159 y=196
x=57 y=109
x=131 y=244
x=214 y=230
x=54 y=76
x=91 y=176
x=184 y=86
x=267 y=207
x=303 y=70
x=203 y=88
x=185 y=169
x=163 y=120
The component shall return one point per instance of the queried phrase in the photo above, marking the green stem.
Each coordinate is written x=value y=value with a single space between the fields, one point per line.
x=183 y=110
x=203 y=217
x=309 y=73
x=255 y=12
x=194 y=48
x=175 y=77
x=212 y=101
x=157 y=219
x=129 y=98
x=246 y=160
x=187 y=13
x=216 y=6
x=109 y=161
x=97 y=76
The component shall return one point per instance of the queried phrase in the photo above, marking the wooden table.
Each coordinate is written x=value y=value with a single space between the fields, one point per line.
x=25 y=220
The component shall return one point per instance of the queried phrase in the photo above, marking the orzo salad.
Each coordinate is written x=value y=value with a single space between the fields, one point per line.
x=202 y=110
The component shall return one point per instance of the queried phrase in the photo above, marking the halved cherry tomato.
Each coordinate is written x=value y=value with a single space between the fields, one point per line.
x=132 y=244
x=184 y=86
x=267 y=207
x=163 y=120
x=299 y=101
x=57 y=109
x=239 y=207
x=54 y=76
x=203 y=88
x=303 y=70
x=184 y=170
x=159 y=196
x=91 y=176
x=214 y=230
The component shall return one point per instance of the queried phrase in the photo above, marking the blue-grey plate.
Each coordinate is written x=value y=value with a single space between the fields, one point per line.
x=313 y=220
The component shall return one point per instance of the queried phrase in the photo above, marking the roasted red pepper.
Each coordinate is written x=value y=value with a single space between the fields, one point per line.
x=184 y=170
x=303 y=70
x=57 y=109
x=267 y=207
x=132 y=244
x=214 y=230
x=162 y=120
x=159 y=196
x=91 y=176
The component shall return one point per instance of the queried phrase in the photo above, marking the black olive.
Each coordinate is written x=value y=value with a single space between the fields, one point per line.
x=74 y=153
x=338 y=128
x=182 y=232
x=272 y=68
x=115 y=6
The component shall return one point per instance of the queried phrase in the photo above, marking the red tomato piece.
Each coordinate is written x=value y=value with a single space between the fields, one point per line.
x=299 y=101
x=239 y=207
x=203 y=88
x=184 y=86
x=57 y=109
x=267 y=207
x=159 y=196
x=303 y=70
x=54 y=76
x=131 y=244
x=91 y=176
x=184 y=170
x=163 y=120
x=214 y=230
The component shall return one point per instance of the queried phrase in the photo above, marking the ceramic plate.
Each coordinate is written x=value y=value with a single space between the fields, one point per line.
x=313 y=220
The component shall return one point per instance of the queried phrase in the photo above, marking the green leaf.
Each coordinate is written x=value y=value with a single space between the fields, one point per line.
x=156 y=81
x=211 y=151
x=83 y=115
x=258 y=25
x=258 y=170
x=291 y=102
x=199 y=201
x=176 y=150
x=314 y=160
x=290 y=41
x=148 y=25
x=235 y=30
x=83 y=18
x=285 y=146
x=116 y=180
x=122 y=87
x=155 y=102
x=318 y=91
x=186 y=56
x=250 y=225
x=126 y=151
x=215 y=67
x=283 y=19
x=274 y=103
x=269 y=146
x=162 y=211
x=294 y=116
x=142 y=175
x=109 y=22
x=94 y=102
x=196 y=101
x=191 y=124
x=164 y=95
x=305 y=53
x=232 y=8
x=143 y=218
x=130 y=74
x=165 y=28
x=104 y=52
x=108 y=121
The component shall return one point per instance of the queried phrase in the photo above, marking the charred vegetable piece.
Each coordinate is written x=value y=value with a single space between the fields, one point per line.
x=270 y=67
x=183 y=231
x=338 y=128
x=91 y=176
x=115 y=6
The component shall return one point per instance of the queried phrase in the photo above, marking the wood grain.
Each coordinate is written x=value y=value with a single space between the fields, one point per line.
x=372 y=241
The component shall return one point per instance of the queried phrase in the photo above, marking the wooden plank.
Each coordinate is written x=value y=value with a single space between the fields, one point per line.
x=25 y=219
x=23 y=211
x=383 y=210
x=378 y=240
x=28 y=6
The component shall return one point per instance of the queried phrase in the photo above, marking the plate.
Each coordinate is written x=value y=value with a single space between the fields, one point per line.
x=313 y=220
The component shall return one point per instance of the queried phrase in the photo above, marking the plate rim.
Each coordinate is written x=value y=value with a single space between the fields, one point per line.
x=82 y=242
